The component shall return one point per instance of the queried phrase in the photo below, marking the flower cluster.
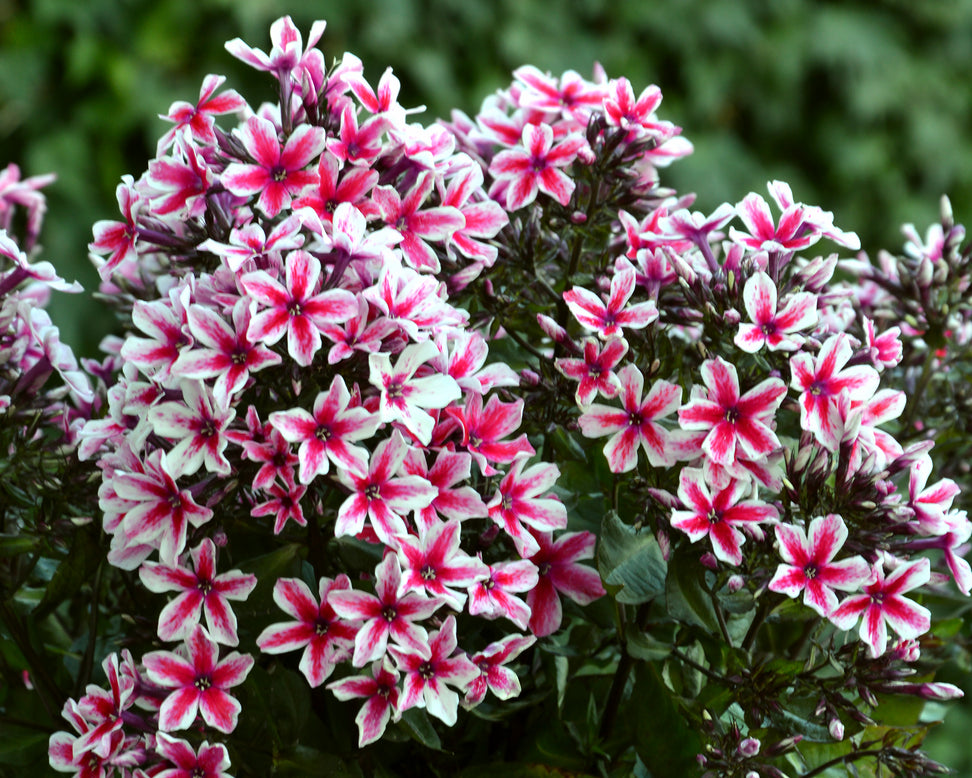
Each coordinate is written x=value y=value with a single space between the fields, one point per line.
x=296 y=367
x=304 y=388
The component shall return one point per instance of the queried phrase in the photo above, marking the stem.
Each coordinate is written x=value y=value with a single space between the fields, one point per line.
x=613 y=703
x=720 y=617
x=758 y=619
x=87 y=661
x=315 y=548
x=704 y=670
x=846 y=758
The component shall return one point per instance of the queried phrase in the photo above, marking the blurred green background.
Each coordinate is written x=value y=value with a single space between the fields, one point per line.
x=864 y=107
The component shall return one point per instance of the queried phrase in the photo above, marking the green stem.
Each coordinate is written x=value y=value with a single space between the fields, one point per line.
x=47 y=690
x=87 y=661
x=615 y=694
x=845 y=759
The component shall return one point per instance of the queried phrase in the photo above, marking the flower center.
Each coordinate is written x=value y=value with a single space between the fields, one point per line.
x=294 y=308
x=395 y=390
x=320 y=627
x=426 y=671
x=543 y=568
x=322 y=433
x=278 y=174
x=488 y=584
x=427 y=572
x=372 y=492
x=714 y=516
x=810 y=572
x=389 y=614
x=205 y=587
x=238 y=358
x=732 y=415
x=203 y=682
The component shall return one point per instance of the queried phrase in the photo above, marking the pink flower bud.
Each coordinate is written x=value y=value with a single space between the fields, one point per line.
x=749 y=747
x=708 y=560
x=735 y=583
x=836 y=729
x=578 y=217
x=529 y=378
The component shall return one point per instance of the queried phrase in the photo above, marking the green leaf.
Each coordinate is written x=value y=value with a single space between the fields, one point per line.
x=642 y=646
x=686 y=596
x=76 y=568
x=630 y=559
x=420 y=728
x=15 y=545
x=666 y=743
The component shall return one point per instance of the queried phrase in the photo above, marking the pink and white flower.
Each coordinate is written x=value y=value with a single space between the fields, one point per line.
x=560 y=574
x=882 y=605
x=493 y=676
x=198 y=682
x=808 y=564
x=536 y=167
x=381 y=705
x=776 y=329
x=608 y=319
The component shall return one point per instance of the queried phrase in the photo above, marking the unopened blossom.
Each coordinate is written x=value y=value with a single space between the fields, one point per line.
x=718 y=514
x=198 y=683
x=608 y=319
x=882 y=605
x=430 y=674
x=381 y=703
x=560 y=573
x=733 y=420
x=809 y=566
x=407 y=399
x=635 y=423
x=776 y=329
x=536 y=167
x=493 y=674
x=325 y=638
x=200 y=591
x=385 y=614
x=279 y=171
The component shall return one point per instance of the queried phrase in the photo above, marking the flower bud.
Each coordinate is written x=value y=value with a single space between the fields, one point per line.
x=708 y=560
x=749 y=747
x=735 y=583
x=836 y=729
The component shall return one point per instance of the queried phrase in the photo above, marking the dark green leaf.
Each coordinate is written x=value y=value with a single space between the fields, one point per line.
x=73 y=571
x=631 y=559
x=664 y=740
x=687 y=599
x=420 y=727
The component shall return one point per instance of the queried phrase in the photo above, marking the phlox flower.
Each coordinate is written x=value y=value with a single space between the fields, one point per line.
x=429 y=674
x=493 y=676
x=381 y=705
x=635 y=423
x=119 y=240
x=278 y=172
x=417 y=224
x=536 y=167
x=607 y=319
x=225 y=351
x=325 y=638
x=930 y=503
x=381 y=495
x=493 y=597
x=102 y=710
x=733 y=421
x=296 y=307
x=771 y=327
x=560 y=574
x=808 y=564
x=336 y=186
x=283 y=505
x=433 y=563
x=161 y=512
x=483 y=218
x=198 y=683
x=200 y=591
x=519 y=504
x=362 y=332
x=822 y=379
x=199 y=118
x=405 y=398
x=882 y=605
x=484 y=427
x=211 y=761
x=385 y=614
x=886 y=349
x=595 y=372
x=452 y=502
x=328 y=433
x=718 y=515
x=198 y=424
x=249 y=242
